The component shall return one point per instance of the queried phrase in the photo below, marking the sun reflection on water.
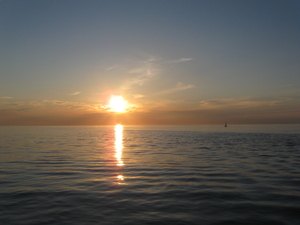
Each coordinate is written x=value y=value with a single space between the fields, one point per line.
x=120 y=177
x=119 y=148
x=119 y=143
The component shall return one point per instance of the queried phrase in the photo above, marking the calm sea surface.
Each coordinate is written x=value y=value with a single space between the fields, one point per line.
x=150 y=175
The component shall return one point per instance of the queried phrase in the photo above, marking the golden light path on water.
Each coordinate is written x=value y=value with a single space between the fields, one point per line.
x=119 y=147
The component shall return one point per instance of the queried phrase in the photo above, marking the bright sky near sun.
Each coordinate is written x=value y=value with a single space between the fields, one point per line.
x=117 y=104
x=172 y=61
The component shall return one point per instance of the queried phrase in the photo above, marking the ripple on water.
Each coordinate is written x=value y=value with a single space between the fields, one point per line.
x=72 y=176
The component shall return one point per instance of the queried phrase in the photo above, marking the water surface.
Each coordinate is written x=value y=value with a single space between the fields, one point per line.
x=150 y=175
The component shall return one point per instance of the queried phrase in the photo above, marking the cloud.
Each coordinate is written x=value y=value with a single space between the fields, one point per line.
x=76 y=93
x=12 y=104
x=65 y=105
x=112 y=68
x=145 y=71
x=136 y=96
x=238 y=103
x=179 y=87
x=6 y=97
x=212 y=111
x=142 y=73
x=13 y=107
x=180 y=60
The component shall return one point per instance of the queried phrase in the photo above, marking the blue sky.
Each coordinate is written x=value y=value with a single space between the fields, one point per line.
x=183 y=62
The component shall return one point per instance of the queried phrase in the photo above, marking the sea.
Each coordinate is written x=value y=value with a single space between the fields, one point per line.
x=207 y=175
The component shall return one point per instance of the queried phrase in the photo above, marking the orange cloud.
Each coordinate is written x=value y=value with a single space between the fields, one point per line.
x=214 y=111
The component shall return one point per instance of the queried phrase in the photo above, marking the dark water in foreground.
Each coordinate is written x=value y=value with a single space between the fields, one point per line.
x=106 y=175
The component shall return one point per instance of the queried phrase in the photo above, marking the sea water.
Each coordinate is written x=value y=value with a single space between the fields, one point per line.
x=150 y=175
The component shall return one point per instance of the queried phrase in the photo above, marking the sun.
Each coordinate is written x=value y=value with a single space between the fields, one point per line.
x=117 y=104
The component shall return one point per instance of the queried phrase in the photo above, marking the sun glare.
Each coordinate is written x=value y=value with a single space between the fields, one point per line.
x=117 y=104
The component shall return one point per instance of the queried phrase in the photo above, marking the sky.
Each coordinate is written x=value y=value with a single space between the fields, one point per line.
x=175 y=62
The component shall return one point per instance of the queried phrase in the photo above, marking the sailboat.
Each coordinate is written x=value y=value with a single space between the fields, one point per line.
x=225 y=124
